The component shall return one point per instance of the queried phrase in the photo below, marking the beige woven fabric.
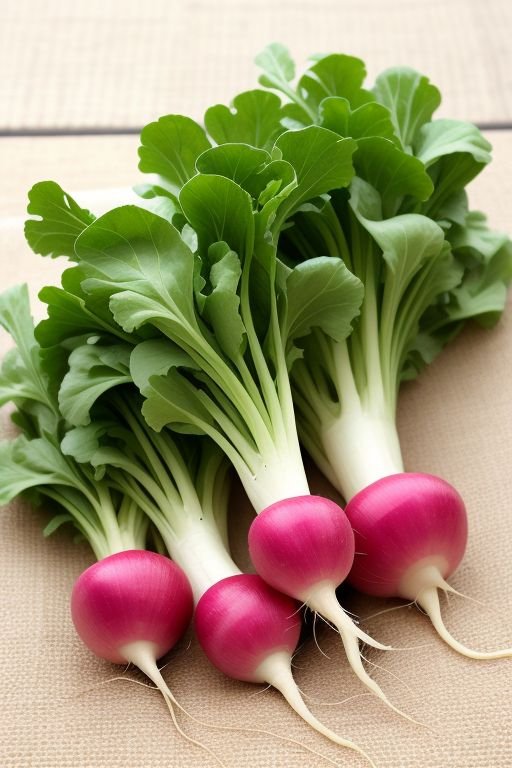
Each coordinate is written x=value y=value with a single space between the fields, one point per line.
x=124 y=62
x=57 y=708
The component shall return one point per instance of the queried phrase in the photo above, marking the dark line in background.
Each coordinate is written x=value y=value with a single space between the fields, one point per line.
x=135 y=130
x=28 y=132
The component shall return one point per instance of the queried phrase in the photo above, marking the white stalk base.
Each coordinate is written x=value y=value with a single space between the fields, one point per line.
x=361 y=448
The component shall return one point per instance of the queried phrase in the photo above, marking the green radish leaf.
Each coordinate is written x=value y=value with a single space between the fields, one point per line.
x=170 y=147
x=93 y=370
x=254 y=119
x=238 y=162
x=155 y=358
x=56 y=523
x=335 y=75
x=321 y=160
x=319 y=293
x=392 y=172
x=277 y=66
x=448 y=137
x=410 y=98
x=368 y=120
x=219 y=210
x=140 y=262
x=221 y=306
x=60 y=220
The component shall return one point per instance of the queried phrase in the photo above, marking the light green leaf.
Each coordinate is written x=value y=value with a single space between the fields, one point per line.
x=335 y=75
x=447 y=137
x=277 y=65
x=369 y=119
x=221 y=306
x=155 y=358
x=170 y=147
x=411 y=99
x=219 y=210
x=140 y=262
x=320 y=293
x=255 y=119
x=322 y=162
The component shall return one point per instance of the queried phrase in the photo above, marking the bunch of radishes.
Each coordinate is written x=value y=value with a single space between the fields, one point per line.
x=288 y=268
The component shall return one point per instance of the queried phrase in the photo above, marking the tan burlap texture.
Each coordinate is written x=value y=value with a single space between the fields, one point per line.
x=59 y=706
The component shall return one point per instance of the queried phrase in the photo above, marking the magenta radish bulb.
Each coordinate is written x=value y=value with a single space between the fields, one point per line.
x=250 y=631
x=304 y=546
x=132 y=606
x=410 y=535
x=299 y=545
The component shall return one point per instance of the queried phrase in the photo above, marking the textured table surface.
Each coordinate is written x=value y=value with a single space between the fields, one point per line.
x=104 y=65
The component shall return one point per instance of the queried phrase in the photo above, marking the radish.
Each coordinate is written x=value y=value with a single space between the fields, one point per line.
x=219 y=363
x=411 y=532
x=132 y=605
x=428 y=264
x=246 y=628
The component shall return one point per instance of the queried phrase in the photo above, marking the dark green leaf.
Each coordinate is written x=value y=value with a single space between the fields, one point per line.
x=60 y=220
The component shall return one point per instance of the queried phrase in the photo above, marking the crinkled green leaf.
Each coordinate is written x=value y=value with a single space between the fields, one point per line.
x=60 y=220
x=93 y=370
x=30 y=463
x=319 y=293
x=221 y=306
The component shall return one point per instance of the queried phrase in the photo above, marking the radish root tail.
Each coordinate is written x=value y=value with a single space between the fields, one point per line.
x=428 y=600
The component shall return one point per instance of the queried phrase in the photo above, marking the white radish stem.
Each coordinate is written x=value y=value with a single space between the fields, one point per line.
x=276 y=669
x=428 y=599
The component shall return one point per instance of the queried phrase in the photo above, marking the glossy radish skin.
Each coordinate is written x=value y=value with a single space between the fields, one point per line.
x=304 y=546
x=250 y=631
x=411 y=531
x=299 y=543
x=129 y=597
x=400 y=521
x=240 y=620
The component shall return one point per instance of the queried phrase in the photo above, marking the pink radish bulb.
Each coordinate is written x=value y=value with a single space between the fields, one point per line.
x=410 y=536
x=304 y=547
x=132 y=606
x=249 y=631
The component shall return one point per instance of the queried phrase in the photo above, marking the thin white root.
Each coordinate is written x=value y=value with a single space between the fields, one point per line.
x=146 y=663
x=276 y=670
x=326 y=604
x=141 y=655
x=428 y=600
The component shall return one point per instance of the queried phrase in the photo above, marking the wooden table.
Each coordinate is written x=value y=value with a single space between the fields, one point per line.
x=78 y=80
